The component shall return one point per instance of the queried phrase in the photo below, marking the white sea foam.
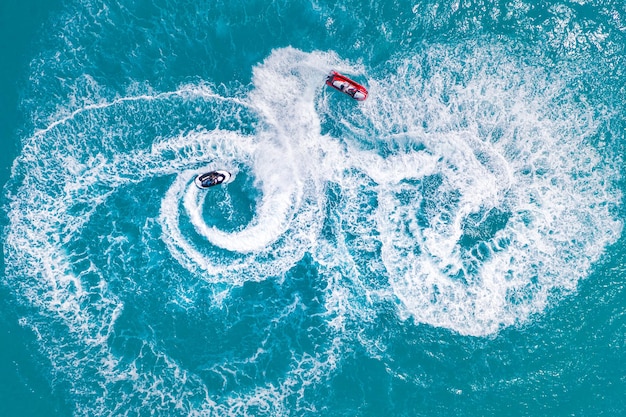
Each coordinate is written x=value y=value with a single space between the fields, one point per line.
x=464 y=196
x=494 y=143
x=282 y=157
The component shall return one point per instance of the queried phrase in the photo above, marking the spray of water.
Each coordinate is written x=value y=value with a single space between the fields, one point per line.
x=464 y=191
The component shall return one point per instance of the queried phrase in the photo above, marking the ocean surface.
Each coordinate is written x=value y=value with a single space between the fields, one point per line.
x=453 y=246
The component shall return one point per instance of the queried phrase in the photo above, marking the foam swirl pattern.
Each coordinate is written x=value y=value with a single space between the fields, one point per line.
x=465 y=195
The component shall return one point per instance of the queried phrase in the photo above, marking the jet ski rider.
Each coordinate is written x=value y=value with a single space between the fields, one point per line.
x=348 y=89
x=213 y=178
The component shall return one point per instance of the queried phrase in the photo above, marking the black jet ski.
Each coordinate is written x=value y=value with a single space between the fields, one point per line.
x=211 y=179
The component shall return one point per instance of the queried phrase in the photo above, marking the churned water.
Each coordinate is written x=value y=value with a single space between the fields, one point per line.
x=451 y=246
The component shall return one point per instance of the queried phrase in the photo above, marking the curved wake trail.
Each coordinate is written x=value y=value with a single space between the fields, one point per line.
x=464 y=198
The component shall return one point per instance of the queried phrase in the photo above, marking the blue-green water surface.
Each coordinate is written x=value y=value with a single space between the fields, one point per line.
x=451 y=246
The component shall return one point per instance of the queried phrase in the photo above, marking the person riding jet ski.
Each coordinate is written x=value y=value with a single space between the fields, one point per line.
x=346 y=86
x=211 y=179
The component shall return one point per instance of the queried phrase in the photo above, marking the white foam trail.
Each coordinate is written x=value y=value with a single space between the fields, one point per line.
x=466 y=208
x=288 y=158
x=492 y=142
x=186 y=91
x=284 y=160
x=285 y=224
x=274 y=212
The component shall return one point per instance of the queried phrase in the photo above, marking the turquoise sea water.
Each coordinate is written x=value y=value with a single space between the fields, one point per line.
x=452 y=246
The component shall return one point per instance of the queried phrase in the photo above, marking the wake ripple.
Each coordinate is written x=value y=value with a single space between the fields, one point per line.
x=465 y=197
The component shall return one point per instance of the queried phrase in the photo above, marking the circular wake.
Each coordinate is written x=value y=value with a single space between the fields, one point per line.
x=485 y=196
x=465 y=191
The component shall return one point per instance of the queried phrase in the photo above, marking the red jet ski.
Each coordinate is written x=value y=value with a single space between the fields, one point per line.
x=346 y=86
